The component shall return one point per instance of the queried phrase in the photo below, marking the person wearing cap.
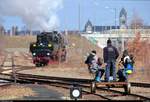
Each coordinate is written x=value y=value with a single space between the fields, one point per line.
x=110 y=54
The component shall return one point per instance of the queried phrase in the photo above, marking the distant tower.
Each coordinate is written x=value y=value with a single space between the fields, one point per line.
x=14 y=30
x=123 y=19
x=88 y=27
x=2 y=30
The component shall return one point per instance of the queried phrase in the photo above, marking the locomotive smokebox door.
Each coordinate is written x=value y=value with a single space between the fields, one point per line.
x=46 y=47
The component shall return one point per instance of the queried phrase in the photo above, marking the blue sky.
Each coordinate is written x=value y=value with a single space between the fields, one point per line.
x=95 y=10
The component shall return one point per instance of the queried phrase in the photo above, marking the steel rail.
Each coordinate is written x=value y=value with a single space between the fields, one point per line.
x=53 y=78
x=5 y=84
x=134 y=95
x=50 y=79
x=58 y=80
x=137 y=84
x=68 y=86
x=64 y=82
x=2 y=64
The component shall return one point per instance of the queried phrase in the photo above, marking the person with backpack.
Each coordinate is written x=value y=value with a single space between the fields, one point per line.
x=91 y=60
x=94 y=63
x=128 y=62
x=110 y=54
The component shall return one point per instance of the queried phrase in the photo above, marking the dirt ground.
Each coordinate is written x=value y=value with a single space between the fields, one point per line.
x=77 y=50
x=74 y=67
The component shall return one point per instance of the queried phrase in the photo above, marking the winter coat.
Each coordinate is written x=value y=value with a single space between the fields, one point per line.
x=110 y=53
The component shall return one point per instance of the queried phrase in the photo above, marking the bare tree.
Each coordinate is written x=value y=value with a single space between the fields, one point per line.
x=136 y=22
x=140 y=49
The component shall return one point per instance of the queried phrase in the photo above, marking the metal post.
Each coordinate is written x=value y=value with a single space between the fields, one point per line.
x=80 y=29
x=115 y=20
x=59 y=53
x=123 y=42
x=79 y=18
x=13 y=70
x=66 y=39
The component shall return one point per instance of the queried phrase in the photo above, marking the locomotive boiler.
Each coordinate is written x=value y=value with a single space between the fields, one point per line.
x=48 y=48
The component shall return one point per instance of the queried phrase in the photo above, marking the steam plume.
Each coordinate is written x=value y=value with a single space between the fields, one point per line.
x=41 y=14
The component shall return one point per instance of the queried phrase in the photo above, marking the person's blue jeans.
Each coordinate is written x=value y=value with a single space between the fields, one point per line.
x=123 y=76
x=99 y=74
x=111 y=65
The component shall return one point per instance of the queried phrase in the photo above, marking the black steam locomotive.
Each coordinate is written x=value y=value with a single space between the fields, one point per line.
x=48 y=48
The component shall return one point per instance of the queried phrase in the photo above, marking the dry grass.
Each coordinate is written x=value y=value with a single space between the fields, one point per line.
x=78 y=49
x=16 y=41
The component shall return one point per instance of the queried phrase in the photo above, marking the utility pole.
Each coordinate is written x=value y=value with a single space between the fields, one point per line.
x=79 y=17
x=79 y=28
x=115 y=18
x=123 y=41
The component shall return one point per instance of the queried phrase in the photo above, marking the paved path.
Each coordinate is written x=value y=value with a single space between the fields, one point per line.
x=43 y=93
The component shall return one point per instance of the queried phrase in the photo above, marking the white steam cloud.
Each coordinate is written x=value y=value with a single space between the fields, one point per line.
x=41 y=14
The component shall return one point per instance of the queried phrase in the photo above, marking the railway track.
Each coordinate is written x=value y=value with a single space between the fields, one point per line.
x=82 y=83
x=70 y=81
x=84 y=90
x=26 y=56
x=2 y=85
x=46 y=78
x=109 y=95
x=63 y=82
x=139 y=97
x=7 y=68
x=145 y=85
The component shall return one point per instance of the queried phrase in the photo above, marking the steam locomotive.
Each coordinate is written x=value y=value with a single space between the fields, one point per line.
x=49 y=48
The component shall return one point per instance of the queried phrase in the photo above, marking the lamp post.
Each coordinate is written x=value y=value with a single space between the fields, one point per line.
x=79 y=17
x=115 y=10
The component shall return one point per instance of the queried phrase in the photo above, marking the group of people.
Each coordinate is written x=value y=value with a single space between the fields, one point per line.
x=110 y=55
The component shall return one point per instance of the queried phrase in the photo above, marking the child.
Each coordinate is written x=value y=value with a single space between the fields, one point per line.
x=91 y=61
x=94 y=64
x=127 y=61
x=100 y=71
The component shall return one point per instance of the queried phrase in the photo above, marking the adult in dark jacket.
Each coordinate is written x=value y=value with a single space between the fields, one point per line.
x=110 y=54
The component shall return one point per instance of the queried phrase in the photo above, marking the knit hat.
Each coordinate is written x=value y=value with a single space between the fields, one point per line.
x=94 y=52
x=108 y=41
